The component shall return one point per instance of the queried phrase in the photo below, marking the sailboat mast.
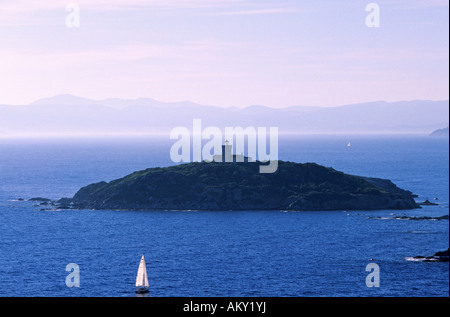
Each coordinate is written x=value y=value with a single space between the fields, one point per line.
x=144 y=273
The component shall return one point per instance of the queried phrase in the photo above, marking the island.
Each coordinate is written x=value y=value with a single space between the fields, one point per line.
x=441 y=132
x=236 y=186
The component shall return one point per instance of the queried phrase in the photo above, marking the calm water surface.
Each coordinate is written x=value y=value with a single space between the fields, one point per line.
x=219 y=253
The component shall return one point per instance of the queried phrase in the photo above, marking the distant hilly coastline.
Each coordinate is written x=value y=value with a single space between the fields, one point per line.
x=441 y=132
x=67 y=114
x=240 y=186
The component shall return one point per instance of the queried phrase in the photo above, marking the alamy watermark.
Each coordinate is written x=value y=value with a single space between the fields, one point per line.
x=73 y=16
x=262 y=145
x=373 y=18
x=73 y=278
x=373 y=278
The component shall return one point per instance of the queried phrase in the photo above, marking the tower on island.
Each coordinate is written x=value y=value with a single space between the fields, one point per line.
x=228 y=157
x=227 y=154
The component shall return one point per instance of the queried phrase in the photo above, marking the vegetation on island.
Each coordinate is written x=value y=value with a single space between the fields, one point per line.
x=240 y=186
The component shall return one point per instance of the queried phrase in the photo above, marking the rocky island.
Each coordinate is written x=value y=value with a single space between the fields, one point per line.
x=239 y=186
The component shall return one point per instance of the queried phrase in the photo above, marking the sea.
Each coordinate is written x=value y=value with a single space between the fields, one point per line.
x=219 y=254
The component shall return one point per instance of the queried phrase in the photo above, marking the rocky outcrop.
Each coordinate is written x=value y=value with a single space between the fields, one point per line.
x=444 y=217
x=428 y=203
x=441 y=256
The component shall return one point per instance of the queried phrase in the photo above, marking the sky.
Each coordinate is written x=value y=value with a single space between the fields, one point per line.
x=225 y=52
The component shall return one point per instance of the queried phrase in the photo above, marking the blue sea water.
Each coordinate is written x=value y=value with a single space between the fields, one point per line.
x=273 y=253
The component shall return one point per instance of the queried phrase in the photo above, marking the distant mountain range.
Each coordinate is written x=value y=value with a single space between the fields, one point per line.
x=67 y=114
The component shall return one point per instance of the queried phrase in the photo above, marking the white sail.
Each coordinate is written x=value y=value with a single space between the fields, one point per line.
x=141 y=278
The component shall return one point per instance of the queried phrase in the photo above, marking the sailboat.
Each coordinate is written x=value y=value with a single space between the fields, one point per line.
x=142 y=278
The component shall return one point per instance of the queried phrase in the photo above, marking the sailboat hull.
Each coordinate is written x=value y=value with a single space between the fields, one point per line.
x=141 y=290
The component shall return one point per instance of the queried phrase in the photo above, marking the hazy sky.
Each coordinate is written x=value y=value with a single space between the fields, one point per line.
x=225 y=52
